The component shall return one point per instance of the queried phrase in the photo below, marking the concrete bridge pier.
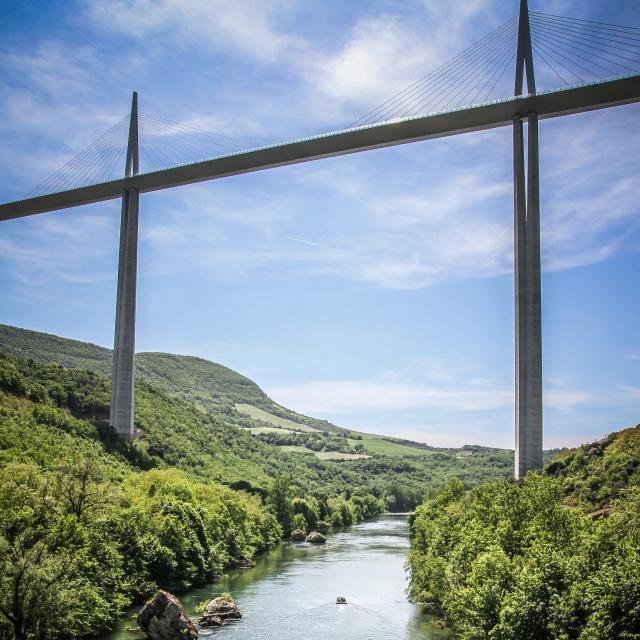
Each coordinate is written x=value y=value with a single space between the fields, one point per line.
x=122 y=383
x=528 y=347
x=526 y=195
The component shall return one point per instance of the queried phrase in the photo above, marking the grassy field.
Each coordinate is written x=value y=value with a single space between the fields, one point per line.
x=296 y=449
x=324 y=455
x=257 y=430
x=336 y=455
x=382 y=446
x=265 y=416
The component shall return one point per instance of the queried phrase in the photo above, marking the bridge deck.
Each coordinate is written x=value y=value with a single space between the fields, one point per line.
x=548 y=104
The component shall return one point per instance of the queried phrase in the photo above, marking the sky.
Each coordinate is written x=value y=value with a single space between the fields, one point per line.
x=374 y=289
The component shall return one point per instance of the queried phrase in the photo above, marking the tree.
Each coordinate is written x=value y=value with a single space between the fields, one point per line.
x=77 y=489
x=308 y=508
x=280 y=500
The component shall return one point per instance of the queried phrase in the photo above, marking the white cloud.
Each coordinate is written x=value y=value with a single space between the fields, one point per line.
x=410 y=241
x=564 y=400
x=248 y=27
x=383 y=55
x=633 y=392
x=349 y=396
x=387 y=51
x=354 y=396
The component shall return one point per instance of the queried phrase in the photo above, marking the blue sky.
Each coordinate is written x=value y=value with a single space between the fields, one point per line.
x=375 y=290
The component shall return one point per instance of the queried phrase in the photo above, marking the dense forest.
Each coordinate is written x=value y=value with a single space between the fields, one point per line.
x=556 y=556
x=89 y=524
x=217 y=473
x=213 y=422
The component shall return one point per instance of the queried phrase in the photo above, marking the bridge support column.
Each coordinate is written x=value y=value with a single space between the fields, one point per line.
x=528 y=427
x=122 y=399
x=122 y=382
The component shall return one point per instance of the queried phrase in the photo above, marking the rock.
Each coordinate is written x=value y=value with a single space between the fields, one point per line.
x=244 y=563
x=218 y=611
x=297 y=535
x=605 y=512
x=323 y=527
x=164 y=618
x=207 y=620
x=316 y=538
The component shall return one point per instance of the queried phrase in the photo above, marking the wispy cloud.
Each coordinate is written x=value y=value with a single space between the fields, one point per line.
x=344 y=397
x=352 y=396
x=630 y=391
x=76 y=248
x=250 y=27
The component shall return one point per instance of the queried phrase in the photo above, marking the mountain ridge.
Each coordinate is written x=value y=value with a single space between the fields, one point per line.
x=208 y=385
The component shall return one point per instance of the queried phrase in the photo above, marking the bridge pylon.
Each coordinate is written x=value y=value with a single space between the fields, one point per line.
x=528 y=347
x=123 y=376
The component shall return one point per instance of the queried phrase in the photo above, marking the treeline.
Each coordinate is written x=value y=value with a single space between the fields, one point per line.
x=89 y=524
x=511 y=561
x=319 y=512
x=175 y=434
x=78 y=545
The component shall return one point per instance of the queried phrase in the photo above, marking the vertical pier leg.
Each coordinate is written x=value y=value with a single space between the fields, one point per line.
x=124 y=343
x=528 y=428
x=122 y=403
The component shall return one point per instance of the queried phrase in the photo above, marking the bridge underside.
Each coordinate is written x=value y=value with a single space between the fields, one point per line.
x=550 y=104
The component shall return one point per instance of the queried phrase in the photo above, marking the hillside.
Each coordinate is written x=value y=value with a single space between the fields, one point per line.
x=594 y=474
x=236 y=400
x=554 y=556
x=90 y=524
x=207 y=385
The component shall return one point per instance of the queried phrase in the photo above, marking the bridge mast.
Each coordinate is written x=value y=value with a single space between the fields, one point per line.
x=528 y=414
x=121 y=415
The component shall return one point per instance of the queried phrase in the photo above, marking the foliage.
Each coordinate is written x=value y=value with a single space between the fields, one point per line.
x=280 y=501
x=595 y=473
x=209 y=444
x=89 y=524
x=511 y=561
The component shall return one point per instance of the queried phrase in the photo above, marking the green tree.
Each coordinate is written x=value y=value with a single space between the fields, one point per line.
x=309 y=509
x=280 y=501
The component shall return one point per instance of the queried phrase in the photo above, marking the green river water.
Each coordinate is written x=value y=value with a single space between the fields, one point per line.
x=291 y=593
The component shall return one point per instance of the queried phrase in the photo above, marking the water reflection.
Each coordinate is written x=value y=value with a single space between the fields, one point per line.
x=291 y=592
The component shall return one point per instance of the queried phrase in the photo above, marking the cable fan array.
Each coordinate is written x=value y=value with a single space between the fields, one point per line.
x=571 y=50
x=584 y=50
x=165 y=144
x=101 y=161
x=471 y=77
x=161 y=144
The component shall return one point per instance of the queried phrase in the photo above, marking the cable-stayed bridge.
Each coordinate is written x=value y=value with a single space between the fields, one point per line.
x=584 y=65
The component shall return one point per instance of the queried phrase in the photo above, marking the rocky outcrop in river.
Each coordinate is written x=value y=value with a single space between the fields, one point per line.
x=297 y=535
x=316 y=538
x=219 y=611
x=164 y=618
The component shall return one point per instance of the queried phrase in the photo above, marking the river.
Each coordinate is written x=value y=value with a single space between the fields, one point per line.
x=291 y=593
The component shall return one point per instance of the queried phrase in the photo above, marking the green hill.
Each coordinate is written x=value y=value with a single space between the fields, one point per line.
x=595 y=473
x=236 y=400
x=554 y=556
x=217 y=473
x=214 y=423
x=207 y=385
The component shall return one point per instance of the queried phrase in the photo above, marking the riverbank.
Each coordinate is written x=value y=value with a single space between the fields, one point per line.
x=291 y=592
